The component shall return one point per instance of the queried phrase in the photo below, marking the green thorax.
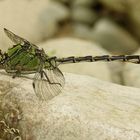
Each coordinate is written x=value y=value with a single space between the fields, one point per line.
x=27 y=59
x=21 y=58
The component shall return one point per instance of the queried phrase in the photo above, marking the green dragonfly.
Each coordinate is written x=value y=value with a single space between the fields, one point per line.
x=48 y=81
x=27 y=58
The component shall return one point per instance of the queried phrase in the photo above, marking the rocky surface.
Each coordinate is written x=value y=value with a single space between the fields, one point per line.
x=134 y=9
x=87 y=3
x=83 y=15
x=114 y=38
x=87 y=108
x=85 y=19
x=50 y=17
x=21 y=17
x=81 y=30
x=39 y=21
x=118 y=5
x=131 y=73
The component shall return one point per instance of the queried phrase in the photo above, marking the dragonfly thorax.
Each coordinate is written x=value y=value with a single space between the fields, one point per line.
x=18 y=57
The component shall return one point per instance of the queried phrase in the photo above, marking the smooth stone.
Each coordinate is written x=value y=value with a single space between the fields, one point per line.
x=64 y=1
x=113 y=38
x=65 y=47
x=48 y=28
x=81 y=31
x=50 y=18
x=117 y=5
x=134 y=18
x=22 y=18
x=131 y=74
x=55 y=11
x=83 y=15
x=89 y=3
x=87 y=108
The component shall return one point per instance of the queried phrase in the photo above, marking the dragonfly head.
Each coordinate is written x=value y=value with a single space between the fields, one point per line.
x=3 y=57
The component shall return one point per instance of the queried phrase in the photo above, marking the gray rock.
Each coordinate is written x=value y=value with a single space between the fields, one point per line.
x=86 y=109
x=21 y=17
x=134 y=17
x=89 y=3
x=50 y=17
x=55 y=11
x=48 y=28
x=131 y=74
x=117 y=5
x=83 y=15
x=113 y=38
x=81 y=30
x=64 y=1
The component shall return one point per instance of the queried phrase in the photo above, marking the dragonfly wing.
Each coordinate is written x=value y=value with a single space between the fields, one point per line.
x=48 y=84
x=17 y=39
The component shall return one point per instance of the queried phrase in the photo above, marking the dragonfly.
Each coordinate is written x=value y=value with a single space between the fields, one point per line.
x=26 y=58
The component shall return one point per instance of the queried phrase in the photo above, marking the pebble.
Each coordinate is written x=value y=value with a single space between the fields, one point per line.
x=81 y=30
x=113 y=38
x=64 y=1
x=85 y=3
x=131 y=74
x=22 y=18
x=83 y=15
x=55 y=11
x=134 y=17
x=116 y=5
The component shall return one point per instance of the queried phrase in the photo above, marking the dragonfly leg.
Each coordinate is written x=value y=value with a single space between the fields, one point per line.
x=17 y=74
x=55 y=83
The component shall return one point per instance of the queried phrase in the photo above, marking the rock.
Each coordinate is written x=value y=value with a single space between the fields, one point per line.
x=55 y=11
x=131 y=74
x=66 y=47
x=134 y=17
x=50 y=18
x=117 y=5
x=81 y=30
x=113 y=37
x=83 y=15
x=89 y=3
x=23 y=18
x=87 y=108
x=48 y=29
x=64 y=1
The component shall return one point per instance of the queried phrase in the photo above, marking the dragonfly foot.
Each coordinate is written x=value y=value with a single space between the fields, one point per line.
x=17 y=74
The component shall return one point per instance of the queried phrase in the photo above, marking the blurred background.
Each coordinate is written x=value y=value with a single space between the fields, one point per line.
x=78 y=28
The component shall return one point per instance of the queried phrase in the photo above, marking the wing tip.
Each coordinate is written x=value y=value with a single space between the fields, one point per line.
x=5 y=30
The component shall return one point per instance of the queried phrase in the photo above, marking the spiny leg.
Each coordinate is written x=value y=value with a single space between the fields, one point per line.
x=18 y=73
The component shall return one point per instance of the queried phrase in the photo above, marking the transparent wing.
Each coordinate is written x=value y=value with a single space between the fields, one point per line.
x=48 y=83
x=17 y=39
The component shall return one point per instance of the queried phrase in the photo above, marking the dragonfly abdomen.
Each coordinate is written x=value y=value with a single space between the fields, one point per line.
x=107 y=58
